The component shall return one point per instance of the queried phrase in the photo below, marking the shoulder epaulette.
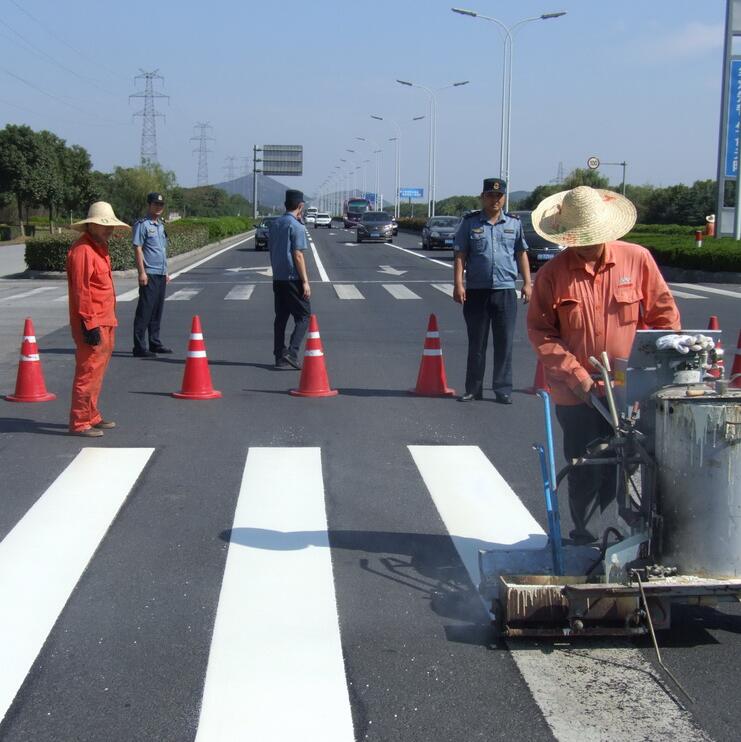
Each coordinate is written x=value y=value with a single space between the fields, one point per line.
x=512 y=215
x=469 y=214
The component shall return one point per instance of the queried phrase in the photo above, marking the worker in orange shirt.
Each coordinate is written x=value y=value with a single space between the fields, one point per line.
x=92 y=316
x=590 y=298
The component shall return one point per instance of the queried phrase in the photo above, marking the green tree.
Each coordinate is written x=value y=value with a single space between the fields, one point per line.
x=79 y=186
x=457 y=205
x=22 y=160
x=128 y=188
x=583 y=176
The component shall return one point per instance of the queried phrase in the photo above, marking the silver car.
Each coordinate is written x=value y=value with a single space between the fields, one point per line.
x=439 y=232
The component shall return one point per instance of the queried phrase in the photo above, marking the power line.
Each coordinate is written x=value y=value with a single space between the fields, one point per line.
x=98 y=62
x=203 y=151
x=149 y=115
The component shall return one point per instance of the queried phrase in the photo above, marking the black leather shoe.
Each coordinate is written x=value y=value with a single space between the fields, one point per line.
x=469 y=397
x=144 y=354
x=160 y=349
x=281 y=363
x=504 y=399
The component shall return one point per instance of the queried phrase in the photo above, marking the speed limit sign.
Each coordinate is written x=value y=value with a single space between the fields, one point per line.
x=593 y=163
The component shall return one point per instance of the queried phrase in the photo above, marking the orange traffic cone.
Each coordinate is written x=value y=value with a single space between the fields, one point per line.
x=736 y=370
x=314 y=381
x=717 y=371
x=196 y=378
x=540 y=381
x=29 y=385
x=713 y=323
x=431 y=381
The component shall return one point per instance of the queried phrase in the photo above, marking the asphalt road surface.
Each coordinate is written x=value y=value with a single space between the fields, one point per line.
x=266 y=567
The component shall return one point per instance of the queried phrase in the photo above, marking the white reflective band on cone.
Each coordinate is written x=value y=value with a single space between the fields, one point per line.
x=432 y=352
x=313 y=353
x=196 y=354
x=313 y=336
x=34 y=357
x=433 y=334
x=30 y=338
x=196 y=336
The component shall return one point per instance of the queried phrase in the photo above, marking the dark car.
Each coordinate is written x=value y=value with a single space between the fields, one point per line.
x=539 y=249
x=261 y=233
x=375 y=225
x=439 y=232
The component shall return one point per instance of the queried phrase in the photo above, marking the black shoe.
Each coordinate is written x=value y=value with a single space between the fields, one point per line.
x=281 y=363
x=504 y=398
x=469 y=397
x=144 y=354
x=292 y=361
x=160 y=349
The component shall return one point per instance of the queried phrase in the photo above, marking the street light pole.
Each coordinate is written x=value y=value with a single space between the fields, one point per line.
x=433 y=137
x=504 y=145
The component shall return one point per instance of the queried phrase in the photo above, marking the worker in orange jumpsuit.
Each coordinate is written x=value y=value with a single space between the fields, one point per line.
x=92 y=316
x=590 y=298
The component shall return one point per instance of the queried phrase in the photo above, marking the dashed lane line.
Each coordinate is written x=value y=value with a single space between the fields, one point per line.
x=319 y=265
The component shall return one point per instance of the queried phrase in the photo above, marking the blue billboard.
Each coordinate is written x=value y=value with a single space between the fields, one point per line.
x=411 y=193
x=733 y=133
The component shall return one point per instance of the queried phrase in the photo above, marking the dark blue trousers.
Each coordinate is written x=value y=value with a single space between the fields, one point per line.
x=289 y=302
x=149 y=313
x=495 y=309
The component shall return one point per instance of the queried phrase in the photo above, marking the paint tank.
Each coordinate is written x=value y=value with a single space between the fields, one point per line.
x=698 y=455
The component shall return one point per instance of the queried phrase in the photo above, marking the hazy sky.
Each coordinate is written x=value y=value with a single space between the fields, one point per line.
x=634 y=80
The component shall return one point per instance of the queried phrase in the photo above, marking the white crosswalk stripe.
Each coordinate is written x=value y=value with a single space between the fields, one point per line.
x=241 y=293
x=347 y=291
x=184 y=295
x=446 y=288
x=275 y=648
x=707 y=289
x=400 y=291
x=684 y=295
x=44 y=556
x=26 y=294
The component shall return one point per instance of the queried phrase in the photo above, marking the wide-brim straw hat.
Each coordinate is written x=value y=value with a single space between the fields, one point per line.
x=584 y=216
x=101 y=212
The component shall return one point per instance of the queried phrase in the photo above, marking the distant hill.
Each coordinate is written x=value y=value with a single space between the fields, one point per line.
x=270 y=192
x=515 y=196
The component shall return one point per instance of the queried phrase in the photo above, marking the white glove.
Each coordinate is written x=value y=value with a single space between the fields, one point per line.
x=680 y=343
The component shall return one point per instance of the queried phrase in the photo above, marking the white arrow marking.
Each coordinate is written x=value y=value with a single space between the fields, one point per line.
x=263 y=270
x=391 y=271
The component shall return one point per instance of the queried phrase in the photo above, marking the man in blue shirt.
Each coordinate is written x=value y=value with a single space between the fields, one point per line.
x=291 y=289
x=150 y=245
x=490 y=247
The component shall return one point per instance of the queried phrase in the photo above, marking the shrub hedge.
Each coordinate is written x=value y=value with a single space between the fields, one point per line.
x=49 y=253
x=679 y=250
x=413 y=224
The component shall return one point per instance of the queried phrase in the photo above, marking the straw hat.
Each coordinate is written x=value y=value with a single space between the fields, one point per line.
x=101 y=213
x=584 y=216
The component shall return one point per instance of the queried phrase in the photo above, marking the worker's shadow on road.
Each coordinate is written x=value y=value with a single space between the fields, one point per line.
x=23 y=425
x=428 y=564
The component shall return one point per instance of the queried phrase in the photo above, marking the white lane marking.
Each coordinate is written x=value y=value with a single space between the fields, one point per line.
x=446 y=288
x=586 y=693
x=347 y=291
x=32 y=292
x=416 y=254
x=707 y=289
x=684 y=295
x=400 y=291
x=276 y=642
x=128 y=295
x=241 y=293
x=190 y=267
x=44 y=556
x=391 y=270
x=63 y=297
x=320 y=267
x=184 y=295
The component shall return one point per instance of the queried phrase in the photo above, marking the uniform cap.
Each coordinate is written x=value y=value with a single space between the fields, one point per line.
x=494 y=185
x=155 y=198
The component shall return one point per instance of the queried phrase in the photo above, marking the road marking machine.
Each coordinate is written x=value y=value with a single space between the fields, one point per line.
x=675 y=448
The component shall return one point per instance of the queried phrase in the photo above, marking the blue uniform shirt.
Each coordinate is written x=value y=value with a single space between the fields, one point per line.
x=490 y=249
x=285 y=234
x=152 y=237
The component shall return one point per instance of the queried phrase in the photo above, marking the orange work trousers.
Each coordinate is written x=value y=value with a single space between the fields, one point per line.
x=91 y=362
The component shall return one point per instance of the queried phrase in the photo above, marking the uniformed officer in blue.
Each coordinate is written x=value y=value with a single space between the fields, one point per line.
x=490 y=247
x=149 y=239
x=291 y=289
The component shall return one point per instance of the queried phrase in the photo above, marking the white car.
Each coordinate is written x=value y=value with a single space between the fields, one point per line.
x=323 y=220
x=309 y=218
